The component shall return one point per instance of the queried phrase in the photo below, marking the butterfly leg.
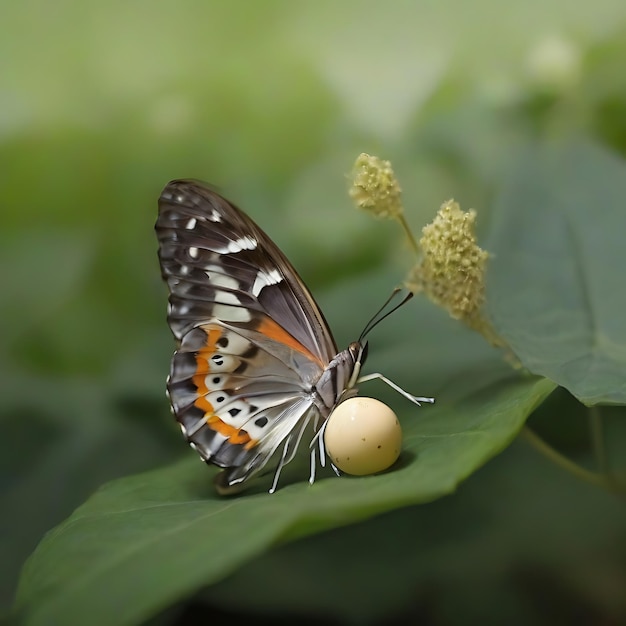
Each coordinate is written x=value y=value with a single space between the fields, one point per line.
x=319 y=440
x=415 y=399
x=321 y=445
x=280 y=466
x=289 y=451
x=321 y=448
x=312 y=474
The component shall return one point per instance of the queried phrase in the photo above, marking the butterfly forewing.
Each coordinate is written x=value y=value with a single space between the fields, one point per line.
x=200 y=232
x=252 y=341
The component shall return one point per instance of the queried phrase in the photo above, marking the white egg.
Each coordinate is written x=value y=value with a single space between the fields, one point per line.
x=363 y=436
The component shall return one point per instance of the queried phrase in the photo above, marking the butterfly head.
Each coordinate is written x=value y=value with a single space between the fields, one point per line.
x=358 y=350
x=358 y=353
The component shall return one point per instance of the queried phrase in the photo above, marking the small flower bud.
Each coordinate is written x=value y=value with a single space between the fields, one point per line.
x=375 y=188
x=452 y=269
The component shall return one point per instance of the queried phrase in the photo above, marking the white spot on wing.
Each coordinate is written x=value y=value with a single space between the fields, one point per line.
x=220 y=362
x=243 y=243
x=191 y=224
x=225 y=297
x=221 y=280
x=215 y=216
x=229 y=309
x=231 y=313
x=193 y=252
x=265 y=278
x=236 y=413
x=236 y=345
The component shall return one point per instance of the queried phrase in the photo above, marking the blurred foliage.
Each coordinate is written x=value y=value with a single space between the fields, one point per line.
x=103 y=104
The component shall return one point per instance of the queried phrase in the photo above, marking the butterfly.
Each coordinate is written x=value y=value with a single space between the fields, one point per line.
x=256 y=362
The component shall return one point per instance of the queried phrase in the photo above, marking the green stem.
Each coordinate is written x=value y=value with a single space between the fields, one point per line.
x=598 y=442
x=594 y=478
x=409 y=234
x=596 y=430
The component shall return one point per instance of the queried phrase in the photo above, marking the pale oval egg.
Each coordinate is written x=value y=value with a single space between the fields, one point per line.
x=363 y=436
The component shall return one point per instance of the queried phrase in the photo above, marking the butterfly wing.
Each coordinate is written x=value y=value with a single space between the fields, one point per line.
x=200 y=232
x=252 y=341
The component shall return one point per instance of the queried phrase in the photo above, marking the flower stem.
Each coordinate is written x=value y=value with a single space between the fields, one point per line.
x=595 y=478
x=409 y=234
x=596 y=432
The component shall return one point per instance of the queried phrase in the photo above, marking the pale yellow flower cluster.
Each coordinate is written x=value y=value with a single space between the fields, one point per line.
x=452 y=270
x=375 y=188
x=451 y=266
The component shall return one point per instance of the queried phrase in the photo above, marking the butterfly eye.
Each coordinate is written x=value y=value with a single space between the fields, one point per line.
x=363 y=436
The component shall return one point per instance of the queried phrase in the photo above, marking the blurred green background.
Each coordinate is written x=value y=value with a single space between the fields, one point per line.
x=102 y=104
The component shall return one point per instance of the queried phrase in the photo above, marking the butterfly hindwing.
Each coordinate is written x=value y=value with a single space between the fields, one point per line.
x=228 y=394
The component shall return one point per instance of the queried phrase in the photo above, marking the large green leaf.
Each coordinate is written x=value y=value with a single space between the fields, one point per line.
x=56 y=449
x=143 y=542
x=557 y=290
x=463 y=554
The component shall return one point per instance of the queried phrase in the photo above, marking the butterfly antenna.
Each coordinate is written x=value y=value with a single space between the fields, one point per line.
x=380 y=315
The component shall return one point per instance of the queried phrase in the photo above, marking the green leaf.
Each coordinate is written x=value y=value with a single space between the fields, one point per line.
x=150 y=540
x=455 y=554
x=556 y=280
x=58 y=435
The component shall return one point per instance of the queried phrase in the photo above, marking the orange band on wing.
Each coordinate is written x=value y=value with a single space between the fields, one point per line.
x=271 y=329
x=202 y=368
x=234 y=435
